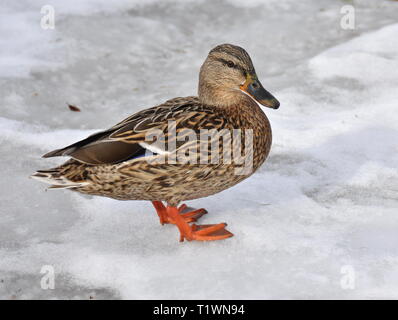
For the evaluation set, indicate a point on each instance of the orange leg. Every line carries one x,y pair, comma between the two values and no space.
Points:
197,232
190,216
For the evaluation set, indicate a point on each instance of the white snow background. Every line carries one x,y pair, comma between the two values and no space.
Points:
327,196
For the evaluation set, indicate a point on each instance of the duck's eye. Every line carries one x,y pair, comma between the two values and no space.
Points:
230,64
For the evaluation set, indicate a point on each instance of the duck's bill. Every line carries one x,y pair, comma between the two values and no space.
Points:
255,89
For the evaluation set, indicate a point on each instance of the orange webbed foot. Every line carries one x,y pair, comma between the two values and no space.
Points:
207,232
190,216
181,219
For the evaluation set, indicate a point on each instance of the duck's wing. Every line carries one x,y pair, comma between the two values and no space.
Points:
127,139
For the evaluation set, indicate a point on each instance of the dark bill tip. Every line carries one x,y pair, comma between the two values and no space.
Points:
271,103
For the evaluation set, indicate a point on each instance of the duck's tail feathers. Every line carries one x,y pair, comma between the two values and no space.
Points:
56,179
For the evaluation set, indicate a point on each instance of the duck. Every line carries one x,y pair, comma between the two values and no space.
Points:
164,154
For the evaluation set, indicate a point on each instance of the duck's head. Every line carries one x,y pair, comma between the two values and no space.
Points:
227,74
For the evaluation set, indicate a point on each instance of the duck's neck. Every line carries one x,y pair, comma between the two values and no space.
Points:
239,107
221,97
233,103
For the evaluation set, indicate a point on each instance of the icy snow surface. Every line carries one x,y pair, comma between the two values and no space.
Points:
326,197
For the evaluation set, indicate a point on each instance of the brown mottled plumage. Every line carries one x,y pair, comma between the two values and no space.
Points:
122,163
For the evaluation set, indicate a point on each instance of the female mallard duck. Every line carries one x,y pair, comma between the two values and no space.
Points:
133,159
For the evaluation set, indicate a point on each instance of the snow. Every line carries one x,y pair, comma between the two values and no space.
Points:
326,198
